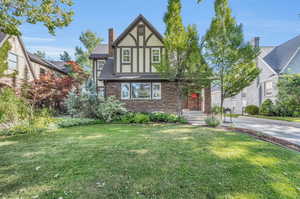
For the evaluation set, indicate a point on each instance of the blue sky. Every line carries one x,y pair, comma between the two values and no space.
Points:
275,21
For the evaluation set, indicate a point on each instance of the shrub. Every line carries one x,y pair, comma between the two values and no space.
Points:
267,108
216,110
141,118
12,108
252,110
212,121
40,121
70,122
288,104
83,103
110,110
165,117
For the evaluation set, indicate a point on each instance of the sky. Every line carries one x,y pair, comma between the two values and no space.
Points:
274,21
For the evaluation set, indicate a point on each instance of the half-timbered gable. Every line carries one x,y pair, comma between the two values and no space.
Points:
138,48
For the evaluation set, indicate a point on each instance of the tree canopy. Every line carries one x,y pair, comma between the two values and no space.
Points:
89,41
232,59
51,14
65,56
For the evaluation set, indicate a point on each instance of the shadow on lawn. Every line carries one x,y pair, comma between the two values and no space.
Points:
180,162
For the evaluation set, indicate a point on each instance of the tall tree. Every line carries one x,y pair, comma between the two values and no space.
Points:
89,41
232,60
182,61
41,54
65,56
52,14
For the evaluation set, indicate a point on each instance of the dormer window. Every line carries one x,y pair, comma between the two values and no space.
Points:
155,58
126,55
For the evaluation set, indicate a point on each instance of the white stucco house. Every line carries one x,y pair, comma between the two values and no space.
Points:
273,62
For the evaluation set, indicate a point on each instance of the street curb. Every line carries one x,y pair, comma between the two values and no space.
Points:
264,137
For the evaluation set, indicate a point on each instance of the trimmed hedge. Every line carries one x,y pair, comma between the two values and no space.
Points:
252,110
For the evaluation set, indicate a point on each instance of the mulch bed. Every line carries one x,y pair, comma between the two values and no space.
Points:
264,137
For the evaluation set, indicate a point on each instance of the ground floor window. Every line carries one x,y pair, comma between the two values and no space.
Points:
268,88
141,91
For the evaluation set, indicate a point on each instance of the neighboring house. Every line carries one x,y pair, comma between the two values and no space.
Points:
18,60
124,68
28,66
273,62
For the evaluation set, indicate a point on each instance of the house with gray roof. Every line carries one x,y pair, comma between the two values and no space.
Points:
124,68
273,61
27,65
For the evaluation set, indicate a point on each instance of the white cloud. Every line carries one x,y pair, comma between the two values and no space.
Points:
52,52
38,39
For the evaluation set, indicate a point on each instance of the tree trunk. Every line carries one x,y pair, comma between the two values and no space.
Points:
179,99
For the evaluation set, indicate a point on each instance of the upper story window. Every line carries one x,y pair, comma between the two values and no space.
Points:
100,64
126,55
12,61
141,29
268,88
42,71
155,55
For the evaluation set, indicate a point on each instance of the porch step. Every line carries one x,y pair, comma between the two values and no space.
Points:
194,117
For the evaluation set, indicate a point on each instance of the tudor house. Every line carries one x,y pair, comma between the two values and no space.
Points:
28,66
124,68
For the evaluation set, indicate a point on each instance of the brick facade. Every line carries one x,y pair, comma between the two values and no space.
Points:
167,103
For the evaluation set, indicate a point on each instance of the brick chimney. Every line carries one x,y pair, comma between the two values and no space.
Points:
256,42
111,39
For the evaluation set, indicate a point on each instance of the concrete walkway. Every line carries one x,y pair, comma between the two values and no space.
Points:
289,131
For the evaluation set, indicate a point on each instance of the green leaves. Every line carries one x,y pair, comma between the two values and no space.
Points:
232,60
89,40
51,14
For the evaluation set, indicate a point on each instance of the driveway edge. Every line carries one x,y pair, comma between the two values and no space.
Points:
265,137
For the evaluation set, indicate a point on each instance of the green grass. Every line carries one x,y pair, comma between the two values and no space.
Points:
288,119
146,161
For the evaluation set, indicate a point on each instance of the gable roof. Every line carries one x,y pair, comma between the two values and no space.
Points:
133,24
280,56
100,52
53,66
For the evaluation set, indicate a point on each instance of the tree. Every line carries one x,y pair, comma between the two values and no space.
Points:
232,60
52,14
50,89
65,56
182,61
89,40
41,54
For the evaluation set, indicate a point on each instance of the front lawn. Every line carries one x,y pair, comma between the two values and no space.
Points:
288,119
146,161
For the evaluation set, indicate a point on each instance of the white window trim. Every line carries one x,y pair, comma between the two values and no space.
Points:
265,89
146,99
150,96
152,56
129,96
129,55
156,98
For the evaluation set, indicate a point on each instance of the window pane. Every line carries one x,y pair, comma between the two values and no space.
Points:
155,55
141,90
156,91
125,91
126,55
12,61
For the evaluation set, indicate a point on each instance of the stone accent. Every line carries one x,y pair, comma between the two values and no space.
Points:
167,103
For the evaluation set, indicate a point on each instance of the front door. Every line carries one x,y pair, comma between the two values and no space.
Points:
194,102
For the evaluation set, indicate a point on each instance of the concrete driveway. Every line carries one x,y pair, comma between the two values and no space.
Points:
289,131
